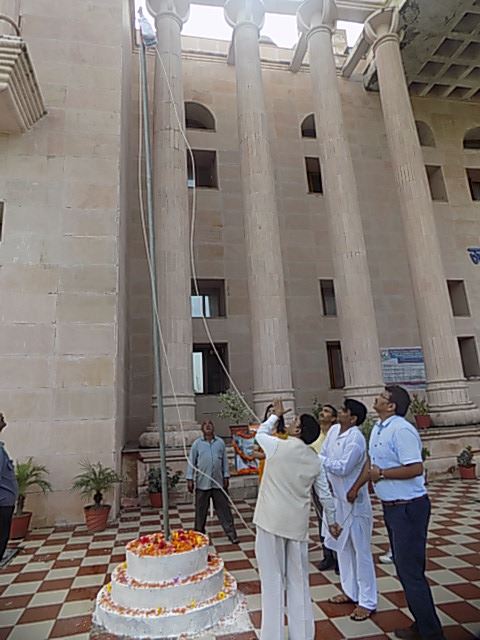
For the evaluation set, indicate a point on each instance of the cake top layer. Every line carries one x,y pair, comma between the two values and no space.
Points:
155,544
120,575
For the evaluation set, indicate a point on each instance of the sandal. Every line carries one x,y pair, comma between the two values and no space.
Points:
361,614
342,598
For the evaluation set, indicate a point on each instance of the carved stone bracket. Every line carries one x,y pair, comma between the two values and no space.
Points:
21,102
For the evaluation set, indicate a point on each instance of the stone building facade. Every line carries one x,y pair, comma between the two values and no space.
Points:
368,261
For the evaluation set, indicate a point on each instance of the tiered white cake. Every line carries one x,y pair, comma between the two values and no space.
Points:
166,588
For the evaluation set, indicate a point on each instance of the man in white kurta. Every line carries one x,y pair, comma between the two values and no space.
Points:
281,518
344,453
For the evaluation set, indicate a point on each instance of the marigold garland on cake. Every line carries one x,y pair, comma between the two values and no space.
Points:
156,544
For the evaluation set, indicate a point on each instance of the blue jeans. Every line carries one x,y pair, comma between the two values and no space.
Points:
407,526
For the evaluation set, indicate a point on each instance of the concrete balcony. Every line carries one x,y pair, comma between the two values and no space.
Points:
21,102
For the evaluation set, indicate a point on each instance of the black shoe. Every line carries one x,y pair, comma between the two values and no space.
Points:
410,633
326,564
337,569
233,539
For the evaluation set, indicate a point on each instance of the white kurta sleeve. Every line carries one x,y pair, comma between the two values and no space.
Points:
322,489
264,436
353,455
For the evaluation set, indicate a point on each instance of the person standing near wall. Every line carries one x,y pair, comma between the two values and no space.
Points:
327,418
8,492
208,464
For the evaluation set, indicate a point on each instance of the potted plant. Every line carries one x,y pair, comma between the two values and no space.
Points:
421,412
234,408
367,427
28,474
94,481
154,480
425,454
466,466
316,408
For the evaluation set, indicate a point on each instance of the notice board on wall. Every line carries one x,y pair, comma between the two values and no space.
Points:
404,366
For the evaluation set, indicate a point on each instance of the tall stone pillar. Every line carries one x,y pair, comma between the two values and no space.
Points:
271,353
172,216
447,388
356,314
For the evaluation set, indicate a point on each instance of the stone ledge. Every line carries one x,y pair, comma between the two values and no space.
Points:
21,102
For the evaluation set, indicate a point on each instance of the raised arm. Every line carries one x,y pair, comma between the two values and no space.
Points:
264,437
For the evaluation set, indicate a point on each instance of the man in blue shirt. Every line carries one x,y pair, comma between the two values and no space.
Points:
396,469
208,466
8,492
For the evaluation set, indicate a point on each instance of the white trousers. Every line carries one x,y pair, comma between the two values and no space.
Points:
355,561
283,567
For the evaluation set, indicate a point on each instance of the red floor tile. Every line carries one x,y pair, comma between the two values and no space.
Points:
461,611
466,591
316,579
457,633
55,585
14,602
71,626
326,630
335,610
30,576
250,587
236,565
39,614
84,593
469,573
397,597
390,620
248,635
119,557
92,570
256,618
67,564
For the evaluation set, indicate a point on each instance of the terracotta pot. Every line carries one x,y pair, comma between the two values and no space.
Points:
96,517
20,525
423,422
467,473
156,500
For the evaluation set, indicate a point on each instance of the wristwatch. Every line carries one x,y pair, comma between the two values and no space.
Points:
381,475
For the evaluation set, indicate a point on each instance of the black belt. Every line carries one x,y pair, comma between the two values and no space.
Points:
394,503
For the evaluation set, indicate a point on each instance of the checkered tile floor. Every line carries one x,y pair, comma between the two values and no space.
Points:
47,591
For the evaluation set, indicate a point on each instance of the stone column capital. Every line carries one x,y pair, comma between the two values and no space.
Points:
317,15
382,26
238,12
178,10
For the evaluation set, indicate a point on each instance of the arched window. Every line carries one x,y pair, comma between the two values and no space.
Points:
308,127
198,117
425,134
472,139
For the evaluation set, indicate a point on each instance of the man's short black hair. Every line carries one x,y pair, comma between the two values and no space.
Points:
357,409
400,398
332,409
310,428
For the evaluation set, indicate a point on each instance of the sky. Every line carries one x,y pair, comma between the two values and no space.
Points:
208,22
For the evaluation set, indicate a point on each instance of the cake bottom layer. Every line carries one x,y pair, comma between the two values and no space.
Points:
165,623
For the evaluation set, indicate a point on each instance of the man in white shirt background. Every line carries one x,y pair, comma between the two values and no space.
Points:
344,454
282,518
327,418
